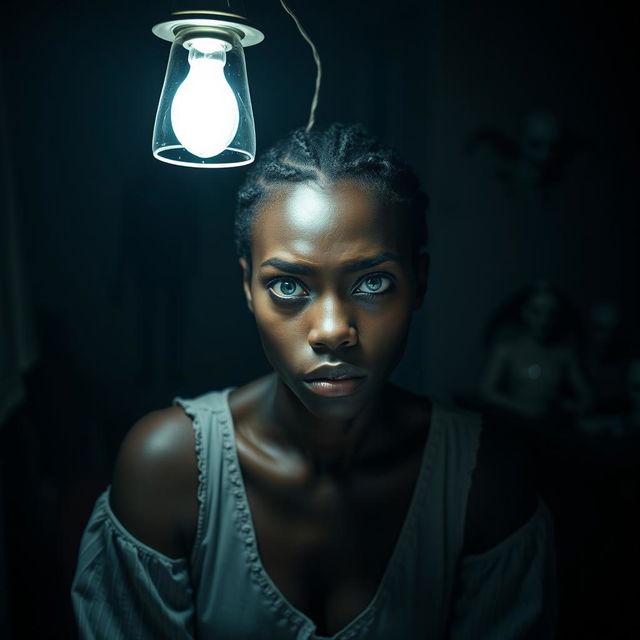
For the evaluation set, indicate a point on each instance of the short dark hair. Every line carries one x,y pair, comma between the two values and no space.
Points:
340,151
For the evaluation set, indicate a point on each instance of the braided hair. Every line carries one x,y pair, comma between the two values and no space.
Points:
338,152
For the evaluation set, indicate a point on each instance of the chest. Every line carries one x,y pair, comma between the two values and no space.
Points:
327,544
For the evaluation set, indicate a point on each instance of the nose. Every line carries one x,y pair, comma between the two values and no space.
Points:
331,327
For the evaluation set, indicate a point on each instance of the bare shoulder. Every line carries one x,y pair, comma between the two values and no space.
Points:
155,482
502,497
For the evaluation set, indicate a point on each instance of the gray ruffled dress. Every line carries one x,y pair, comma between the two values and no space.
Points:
125,590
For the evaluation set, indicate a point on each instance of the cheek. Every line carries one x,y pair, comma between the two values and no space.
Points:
383,335
281,334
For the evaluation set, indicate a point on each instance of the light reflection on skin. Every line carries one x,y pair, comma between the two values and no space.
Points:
308,206
314,224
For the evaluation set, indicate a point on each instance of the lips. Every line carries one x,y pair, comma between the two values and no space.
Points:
335,380
340,371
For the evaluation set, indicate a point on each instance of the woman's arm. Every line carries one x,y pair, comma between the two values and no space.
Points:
133,575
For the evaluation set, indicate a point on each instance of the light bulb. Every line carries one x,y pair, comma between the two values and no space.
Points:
204,112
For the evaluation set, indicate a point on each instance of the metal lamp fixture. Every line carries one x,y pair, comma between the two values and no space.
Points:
204,116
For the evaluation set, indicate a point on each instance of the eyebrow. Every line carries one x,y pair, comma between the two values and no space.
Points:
299,269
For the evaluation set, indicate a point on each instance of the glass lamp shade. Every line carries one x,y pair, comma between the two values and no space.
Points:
204,116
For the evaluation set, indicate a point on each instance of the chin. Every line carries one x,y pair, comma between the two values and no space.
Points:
335,408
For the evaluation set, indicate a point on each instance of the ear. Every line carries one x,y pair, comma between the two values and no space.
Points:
422,278
246,283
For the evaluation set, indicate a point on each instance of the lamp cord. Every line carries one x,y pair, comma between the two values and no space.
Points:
316,57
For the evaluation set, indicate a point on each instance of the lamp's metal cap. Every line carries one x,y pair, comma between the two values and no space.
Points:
247,34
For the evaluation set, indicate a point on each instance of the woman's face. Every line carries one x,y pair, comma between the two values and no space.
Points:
332,288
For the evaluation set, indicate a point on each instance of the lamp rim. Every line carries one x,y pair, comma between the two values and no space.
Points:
247,35
249,158
208,12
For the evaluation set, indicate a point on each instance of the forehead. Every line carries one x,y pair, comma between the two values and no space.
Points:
326,223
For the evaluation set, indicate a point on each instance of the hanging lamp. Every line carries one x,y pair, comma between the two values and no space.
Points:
204,117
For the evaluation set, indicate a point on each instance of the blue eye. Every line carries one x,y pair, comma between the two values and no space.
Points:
373,285
287,288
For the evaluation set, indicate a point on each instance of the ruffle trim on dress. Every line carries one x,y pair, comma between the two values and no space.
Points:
192,410
275,600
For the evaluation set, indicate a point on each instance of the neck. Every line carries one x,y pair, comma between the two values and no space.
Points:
325,443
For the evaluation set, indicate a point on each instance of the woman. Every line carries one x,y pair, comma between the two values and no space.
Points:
320,500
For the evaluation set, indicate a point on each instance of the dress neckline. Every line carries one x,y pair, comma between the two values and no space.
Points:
246,528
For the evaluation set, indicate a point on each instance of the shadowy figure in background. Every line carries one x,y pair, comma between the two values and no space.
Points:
535,385
159,252
606,361
536,159
605,356
532,370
